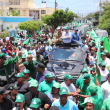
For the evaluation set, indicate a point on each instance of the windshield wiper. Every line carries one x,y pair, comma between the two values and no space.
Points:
73,60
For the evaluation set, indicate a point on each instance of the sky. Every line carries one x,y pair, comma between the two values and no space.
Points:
80,7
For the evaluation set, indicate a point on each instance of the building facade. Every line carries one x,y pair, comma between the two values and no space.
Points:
25,8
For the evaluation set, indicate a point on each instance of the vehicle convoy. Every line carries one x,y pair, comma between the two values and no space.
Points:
66,61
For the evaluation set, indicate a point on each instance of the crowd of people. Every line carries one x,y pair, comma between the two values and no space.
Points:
35,87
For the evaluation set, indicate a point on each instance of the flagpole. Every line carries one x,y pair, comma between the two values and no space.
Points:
55,4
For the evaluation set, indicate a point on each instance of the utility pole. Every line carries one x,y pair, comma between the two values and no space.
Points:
55,4
100,7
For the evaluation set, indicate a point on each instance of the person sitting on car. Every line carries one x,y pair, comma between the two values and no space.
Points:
70,86
75,38
66,36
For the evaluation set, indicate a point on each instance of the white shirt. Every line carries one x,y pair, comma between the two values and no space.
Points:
65,39
106,90
23,108
103,74
71,88
107,61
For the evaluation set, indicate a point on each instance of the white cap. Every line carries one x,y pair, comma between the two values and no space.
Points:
58,28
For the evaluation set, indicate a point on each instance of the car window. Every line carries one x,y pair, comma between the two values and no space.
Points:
66,54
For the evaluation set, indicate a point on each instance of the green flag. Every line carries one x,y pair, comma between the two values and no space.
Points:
106,44
93,34
99,55
26,42
97,40
30,45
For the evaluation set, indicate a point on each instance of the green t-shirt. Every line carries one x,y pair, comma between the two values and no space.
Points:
106,104
7,65
99,99
31,67
85,91
80,82
45,87
98,78
28,35
29,79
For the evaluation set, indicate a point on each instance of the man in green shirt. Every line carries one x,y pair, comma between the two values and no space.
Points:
30,65
106,104
27,75
6,64
79,81
28,35
47,84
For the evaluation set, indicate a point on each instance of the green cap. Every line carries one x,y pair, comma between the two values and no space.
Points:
26,71
90,43
102,64
20,75
20,98
88,100
85,76
29,52
24,56
106,51
93,88
67,27
2,55
48,75
33,83
63,91
35,103
84,70
44,42
103,53
13,53
15,42
67,76
56,85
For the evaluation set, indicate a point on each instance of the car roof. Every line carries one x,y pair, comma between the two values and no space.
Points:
99,30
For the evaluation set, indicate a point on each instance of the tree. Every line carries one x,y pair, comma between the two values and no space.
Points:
4,34
90,16
31,26
14,13
67,9
57,18
104,22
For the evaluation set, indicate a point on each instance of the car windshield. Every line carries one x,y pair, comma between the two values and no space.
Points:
103,34
66,54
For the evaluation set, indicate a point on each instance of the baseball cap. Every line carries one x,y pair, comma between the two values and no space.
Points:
84,70
91,63
48,75
76,29
13,53
103,53
26,71
63,91
41,65
4,91
88,99
102,64
29,52
56,85
13,87
33,83
67,76
27,46
41,48
67,27
37,51
3,49
24,56
20,75
93,88
35,103
85,76
58,28
20,98
2,55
